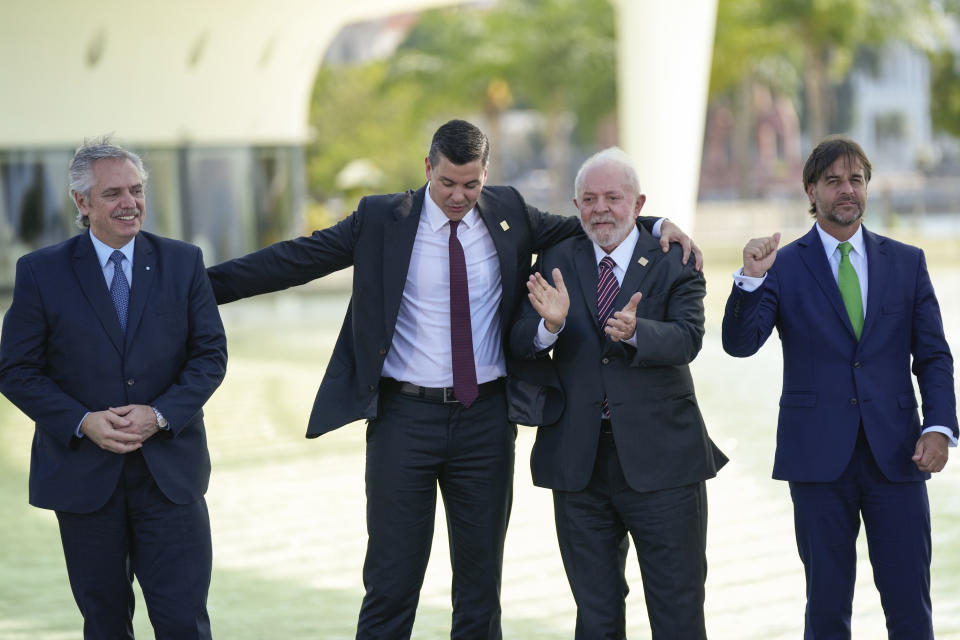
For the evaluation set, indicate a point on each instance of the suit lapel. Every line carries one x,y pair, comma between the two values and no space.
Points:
398,238
645,254
878,268
815,260
585,264
90,275
144,268
506,253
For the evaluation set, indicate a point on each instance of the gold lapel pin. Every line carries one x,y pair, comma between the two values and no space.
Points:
643,261
504,225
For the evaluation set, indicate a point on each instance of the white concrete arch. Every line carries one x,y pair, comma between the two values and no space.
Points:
184,72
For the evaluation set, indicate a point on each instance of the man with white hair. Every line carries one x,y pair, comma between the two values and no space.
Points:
629,453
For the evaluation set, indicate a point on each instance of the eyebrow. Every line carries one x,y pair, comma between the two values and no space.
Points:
138,185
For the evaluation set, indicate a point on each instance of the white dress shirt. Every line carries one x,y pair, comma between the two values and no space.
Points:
858,258
420,352
103,255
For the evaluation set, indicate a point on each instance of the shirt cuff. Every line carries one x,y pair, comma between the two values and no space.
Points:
544,339
945,431
76,432
655,232
747,283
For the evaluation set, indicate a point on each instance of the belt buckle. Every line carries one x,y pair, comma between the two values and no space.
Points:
448,397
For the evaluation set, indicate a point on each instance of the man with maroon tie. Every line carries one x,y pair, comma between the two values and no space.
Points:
438,273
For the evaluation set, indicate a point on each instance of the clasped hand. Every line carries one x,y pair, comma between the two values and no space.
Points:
120,429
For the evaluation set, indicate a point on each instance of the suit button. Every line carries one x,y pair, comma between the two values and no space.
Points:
383,352
857,365
605,361
853,401
372,387
131,382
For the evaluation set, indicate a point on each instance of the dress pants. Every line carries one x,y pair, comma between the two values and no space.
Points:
139,532
415,446
668,528
896,517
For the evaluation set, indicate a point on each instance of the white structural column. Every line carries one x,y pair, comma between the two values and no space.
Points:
664,54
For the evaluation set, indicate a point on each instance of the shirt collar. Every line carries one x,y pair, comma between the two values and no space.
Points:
436,218
830,243
624,251
105,251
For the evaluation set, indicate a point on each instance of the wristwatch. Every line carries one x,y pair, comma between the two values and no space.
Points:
162,423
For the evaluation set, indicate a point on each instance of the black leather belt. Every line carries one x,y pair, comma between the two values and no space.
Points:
443,395
605,426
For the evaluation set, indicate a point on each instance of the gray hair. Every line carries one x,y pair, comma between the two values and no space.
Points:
81,167
610,156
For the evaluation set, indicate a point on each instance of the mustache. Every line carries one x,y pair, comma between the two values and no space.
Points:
126,212
603,219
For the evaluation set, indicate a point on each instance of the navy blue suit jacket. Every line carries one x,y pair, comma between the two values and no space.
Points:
661,438
832,381
63,354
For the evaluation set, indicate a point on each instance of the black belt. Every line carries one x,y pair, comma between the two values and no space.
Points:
605,426
443,395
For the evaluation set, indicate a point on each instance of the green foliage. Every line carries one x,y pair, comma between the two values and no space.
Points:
356,115
945,92
555,56
819,39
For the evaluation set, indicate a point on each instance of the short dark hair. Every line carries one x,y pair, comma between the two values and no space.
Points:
826,153
459,142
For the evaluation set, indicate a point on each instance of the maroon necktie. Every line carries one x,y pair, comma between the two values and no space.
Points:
461,333
607,290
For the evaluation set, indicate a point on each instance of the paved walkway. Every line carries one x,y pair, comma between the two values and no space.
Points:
288,513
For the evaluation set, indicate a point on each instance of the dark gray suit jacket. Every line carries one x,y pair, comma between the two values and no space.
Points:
660,435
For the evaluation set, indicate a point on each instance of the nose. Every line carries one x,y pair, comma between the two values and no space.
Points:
127,201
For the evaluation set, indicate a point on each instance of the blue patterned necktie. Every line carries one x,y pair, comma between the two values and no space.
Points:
120,289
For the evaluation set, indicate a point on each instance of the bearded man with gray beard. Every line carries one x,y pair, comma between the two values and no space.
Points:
613,323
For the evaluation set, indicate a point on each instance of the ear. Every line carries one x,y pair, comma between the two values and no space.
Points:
810,189
641,199
81,202
428,169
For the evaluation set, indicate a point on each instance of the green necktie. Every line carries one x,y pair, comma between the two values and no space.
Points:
849,285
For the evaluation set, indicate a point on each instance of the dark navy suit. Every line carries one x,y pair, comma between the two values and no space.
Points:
848,419
63,354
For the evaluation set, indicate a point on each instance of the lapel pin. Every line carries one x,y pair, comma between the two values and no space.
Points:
147,268
504,225
643,261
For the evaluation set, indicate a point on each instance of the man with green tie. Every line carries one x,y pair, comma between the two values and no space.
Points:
854,311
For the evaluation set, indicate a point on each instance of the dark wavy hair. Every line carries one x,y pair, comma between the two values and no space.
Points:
825,154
